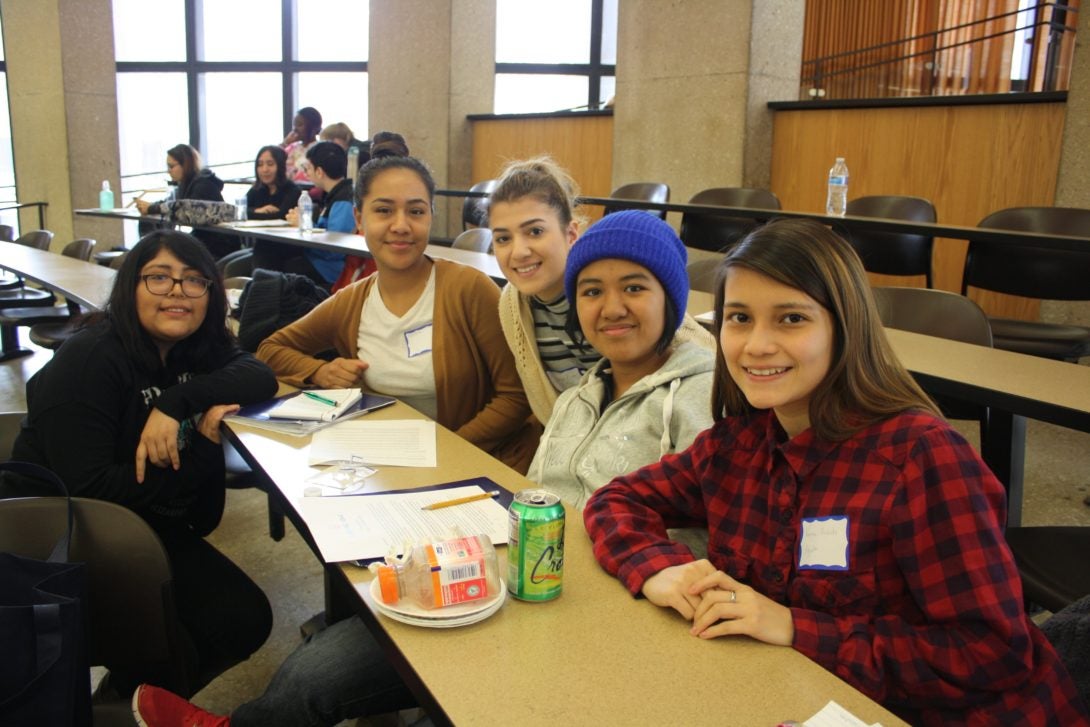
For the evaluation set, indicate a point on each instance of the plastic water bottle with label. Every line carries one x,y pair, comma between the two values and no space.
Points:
836,202
306,212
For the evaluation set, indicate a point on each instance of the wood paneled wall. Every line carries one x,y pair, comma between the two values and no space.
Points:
582,145
968,160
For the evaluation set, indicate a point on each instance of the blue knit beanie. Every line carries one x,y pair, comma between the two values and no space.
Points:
641,238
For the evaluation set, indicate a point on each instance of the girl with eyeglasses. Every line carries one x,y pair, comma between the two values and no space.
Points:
128,410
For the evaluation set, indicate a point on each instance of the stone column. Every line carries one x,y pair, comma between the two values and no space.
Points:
63,98
693,78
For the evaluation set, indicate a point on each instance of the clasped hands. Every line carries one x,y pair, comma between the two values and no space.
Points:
159,439
703,595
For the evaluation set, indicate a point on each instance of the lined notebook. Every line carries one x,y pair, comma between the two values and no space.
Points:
285,421
317,405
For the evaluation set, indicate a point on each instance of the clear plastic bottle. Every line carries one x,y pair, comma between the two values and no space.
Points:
106,196
306,212
240,209
353,163
444,573
836,201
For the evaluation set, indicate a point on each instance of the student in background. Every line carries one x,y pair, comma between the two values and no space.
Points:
304,130
649,394
326,166
846,519
534,224
388,144
272,195
192,181
342,136
128,411
422,330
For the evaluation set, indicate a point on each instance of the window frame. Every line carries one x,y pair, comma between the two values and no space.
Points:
593,70
193,68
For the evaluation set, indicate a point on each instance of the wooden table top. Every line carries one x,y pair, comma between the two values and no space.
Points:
595,655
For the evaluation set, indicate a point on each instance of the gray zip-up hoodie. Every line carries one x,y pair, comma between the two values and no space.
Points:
584,447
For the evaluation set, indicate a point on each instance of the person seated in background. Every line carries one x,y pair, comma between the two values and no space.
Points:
342,136
326,165
388,143
650,394
272,195
192,180
128,410
846,519
304,130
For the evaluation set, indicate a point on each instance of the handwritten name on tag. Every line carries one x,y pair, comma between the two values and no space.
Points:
824,543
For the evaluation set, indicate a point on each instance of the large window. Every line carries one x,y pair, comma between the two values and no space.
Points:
556,55
228,76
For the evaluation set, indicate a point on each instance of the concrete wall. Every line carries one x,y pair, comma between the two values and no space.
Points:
62,93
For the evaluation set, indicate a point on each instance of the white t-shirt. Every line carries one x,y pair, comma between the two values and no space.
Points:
398,349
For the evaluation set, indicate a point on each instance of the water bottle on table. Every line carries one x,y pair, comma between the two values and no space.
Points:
836,202
306,212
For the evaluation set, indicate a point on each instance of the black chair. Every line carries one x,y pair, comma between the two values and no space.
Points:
12,318
133,624
237,263
475,209
1052,560
712,232
13,293
478,239
893,253
1034,272
642,192
702,274
945,315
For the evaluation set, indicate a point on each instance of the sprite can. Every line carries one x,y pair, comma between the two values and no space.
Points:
535,546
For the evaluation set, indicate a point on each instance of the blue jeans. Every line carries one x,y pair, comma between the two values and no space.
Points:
338,673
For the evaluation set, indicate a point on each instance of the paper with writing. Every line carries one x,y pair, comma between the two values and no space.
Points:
399,442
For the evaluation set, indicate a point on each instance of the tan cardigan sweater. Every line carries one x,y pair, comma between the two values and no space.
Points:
478,392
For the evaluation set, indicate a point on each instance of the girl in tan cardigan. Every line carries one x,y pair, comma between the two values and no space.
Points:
422,330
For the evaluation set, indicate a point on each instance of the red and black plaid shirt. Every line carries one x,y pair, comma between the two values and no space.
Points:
928,617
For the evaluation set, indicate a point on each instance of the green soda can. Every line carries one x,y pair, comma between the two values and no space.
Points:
535,546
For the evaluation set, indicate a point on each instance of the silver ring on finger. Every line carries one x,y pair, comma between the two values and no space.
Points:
734,596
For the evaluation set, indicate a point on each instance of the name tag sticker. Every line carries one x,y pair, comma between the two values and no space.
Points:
418,341
824,543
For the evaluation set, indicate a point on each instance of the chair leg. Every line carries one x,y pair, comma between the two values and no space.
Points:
9,344
276,519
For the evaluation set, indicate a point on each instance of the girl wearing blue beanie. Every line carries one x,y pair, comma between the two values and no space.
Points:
650,393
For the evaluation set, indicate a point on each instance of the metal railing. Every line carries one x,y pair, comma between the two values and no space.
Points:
913,66
24,205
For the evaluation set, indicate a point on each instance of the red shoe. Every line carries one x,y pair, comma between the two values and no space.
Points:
155,707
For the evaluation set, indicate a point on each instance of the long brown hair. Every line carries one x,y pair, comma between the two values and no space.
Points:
865,382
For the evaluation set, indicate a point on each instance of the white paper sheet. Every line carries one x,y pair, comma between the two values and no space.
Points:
368,526
400,442
833,715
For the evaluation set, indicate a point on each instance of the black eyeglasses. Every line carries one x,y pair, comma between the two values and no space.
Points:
160,284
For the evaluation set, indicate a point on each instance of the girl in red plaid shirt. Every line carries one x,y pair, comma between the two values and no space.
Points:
846,518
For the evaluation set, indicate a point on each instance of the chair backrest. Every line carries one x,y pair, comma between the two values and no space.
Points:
10,423
38,239
116,262
478,239
713,232
643,192
893,253
1031,271
7,233
80,249
239,262
134,626
702,274
475,209
934,313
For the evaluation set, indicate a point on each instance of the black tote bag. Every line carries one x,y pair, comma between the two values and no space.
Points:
44,675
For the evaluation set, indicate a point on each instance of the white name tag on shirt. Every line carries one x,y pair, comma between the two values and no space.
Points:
418,341
824,543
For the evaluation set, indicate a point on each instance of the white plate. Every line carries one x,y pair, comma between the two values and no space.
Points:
443,618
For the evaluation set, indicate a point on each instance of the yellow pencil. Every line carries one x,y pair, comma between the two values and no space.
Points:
461,500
